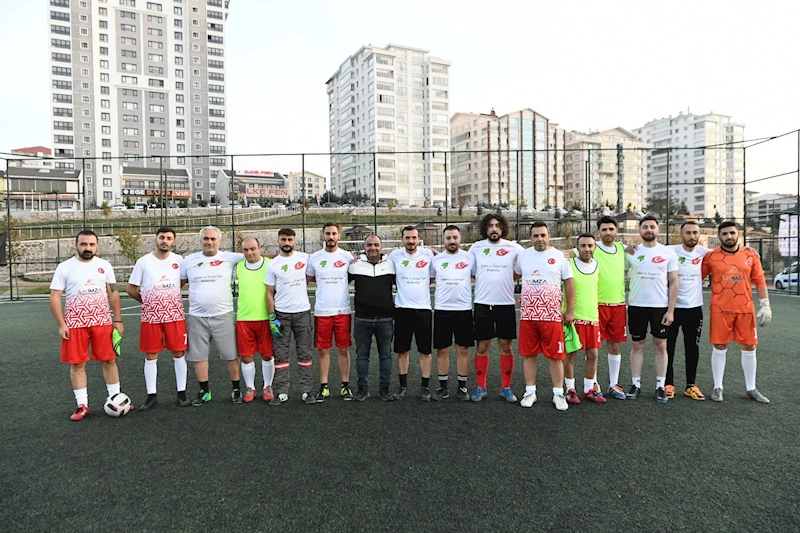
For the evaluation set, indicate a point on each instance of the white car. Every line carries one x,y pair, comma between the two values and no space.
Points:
787,278
139,206
119,207
254,206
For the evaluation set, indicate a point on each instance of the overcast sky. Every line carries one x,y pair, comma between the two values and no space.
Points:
583,64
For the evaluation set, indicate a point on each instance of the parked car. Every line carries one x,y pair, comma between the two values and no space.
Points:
279,206
786,278
254,206
139,206
382,204
66,208
194,205
347,205
330,204
402,206
119,207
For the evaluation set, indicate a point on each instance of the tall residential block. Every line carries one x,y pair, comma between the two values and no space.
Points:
704,163
616,172
485,164
386,100
138,80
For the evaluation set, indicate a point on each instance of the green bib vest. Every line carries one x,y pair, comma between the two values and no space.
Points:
612,275
586,289
252,292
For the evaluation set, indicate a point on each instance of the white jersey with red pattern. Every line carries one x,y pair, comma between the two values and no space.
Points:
84,284
542,274
159,282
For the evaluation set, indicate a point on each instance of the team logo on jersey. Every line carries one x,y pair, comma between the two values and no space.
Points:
551,261
697,260
748,262
284,268
323,265
175,266
658,259
421,263
339,264
461,266
486,251
215,263
536,273
640,259
404,263
198,265
101,270
445,266
502,251
682,260
299,265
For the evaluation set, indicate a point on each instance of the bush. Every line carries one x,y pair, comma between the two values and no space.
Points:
105,209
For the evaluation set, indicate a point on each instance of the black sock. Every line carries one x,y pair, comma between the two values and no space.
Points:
443,382
182,394
204,386
151,396
462,382
425,382
345,384
235,383
403,379
323,385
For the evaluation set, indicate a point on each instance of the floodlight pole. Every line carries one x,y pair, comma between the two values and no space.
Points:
797,220
10,257
375,193
446,191
668,197
744,193
83,193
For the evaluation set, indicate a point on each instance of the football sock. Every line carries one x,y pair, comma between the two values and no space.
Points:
403,379
558,391
81,396
637,382
481,367
570,383
345,384
588,384
462,382
718,366
614,362
113,388
506,368
182,394
204,386
323,385
236,384
530,388
150,375
594,380
749,364
180,372
249,375
268,370
426,382
443,381
661,382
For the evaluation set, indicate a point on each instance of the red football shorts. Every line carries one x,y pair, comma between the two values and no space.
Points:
170,335
76,350
545,338
739,327
328,327
589,334
254,336
613,321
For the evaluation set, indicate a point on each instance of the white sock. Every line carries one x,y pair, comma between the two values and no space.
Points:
749,366
558,391
249,375
268,369
637,381
588,384
594,380
718,366
661,382
81,396
150,375
530,388
614,362
570,383
180,373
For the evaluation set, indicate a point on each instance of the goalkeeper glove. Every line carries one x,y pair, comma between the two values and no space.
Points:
764,315
274,326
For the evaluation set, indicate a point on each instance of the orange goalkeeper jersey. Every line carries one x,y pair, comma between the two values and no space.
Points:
732,277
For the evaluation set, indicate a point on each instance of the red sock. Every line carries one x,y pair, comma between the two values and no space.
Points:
506,368
481,367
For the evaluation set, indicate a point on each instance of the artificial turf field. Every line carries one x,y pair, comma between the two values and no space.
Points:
402,466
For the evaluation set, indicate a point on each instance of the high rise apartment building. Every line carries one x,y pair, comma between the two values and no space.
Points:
617,179
138,80
704,163
385,100
484,165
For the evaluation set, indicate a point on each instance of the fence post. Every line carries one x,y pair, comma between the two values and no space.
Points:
518,198
10,255
303,203
375,192
797,221
446,191
744,193
83,193
233,217
668,198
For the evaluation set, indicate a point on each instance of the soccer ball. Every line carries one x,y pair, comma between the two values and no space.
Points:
117,405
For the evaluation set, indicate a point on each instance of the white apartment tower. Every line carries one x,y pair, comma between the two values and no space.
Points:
485,165
707,180
617,179
385,100
138,80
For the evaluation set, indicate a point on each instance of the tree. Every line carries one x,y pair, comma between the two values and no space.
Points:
717,217
202,203
130,244
105,209
657,205
682,209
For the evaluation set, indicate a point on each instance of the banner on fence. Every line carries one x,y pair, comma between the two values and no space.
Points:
787,236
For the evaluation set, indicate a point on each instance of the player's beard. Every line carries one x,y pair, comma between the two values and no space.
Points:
610,238
494,237
164,247
452,247
330,244
691,243
649,237
411,248
729,243
287,249
540,246
87,254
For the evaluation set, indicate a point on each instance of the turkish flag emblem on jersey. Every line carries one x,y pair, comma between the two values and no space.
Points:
658,259
421,264
175,266
551,261
215,263
461,266
697,260
299,265
339,264
502,251
101,270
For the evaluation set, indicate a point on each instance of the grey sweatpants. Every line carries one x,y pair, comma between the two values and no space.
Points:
301,327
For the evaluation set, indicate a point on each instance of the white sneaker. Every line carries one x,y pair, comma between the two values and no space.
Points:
560,402
528,399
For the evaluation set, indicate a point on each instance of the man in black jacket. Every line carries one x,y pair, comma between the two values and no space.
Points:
373,274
